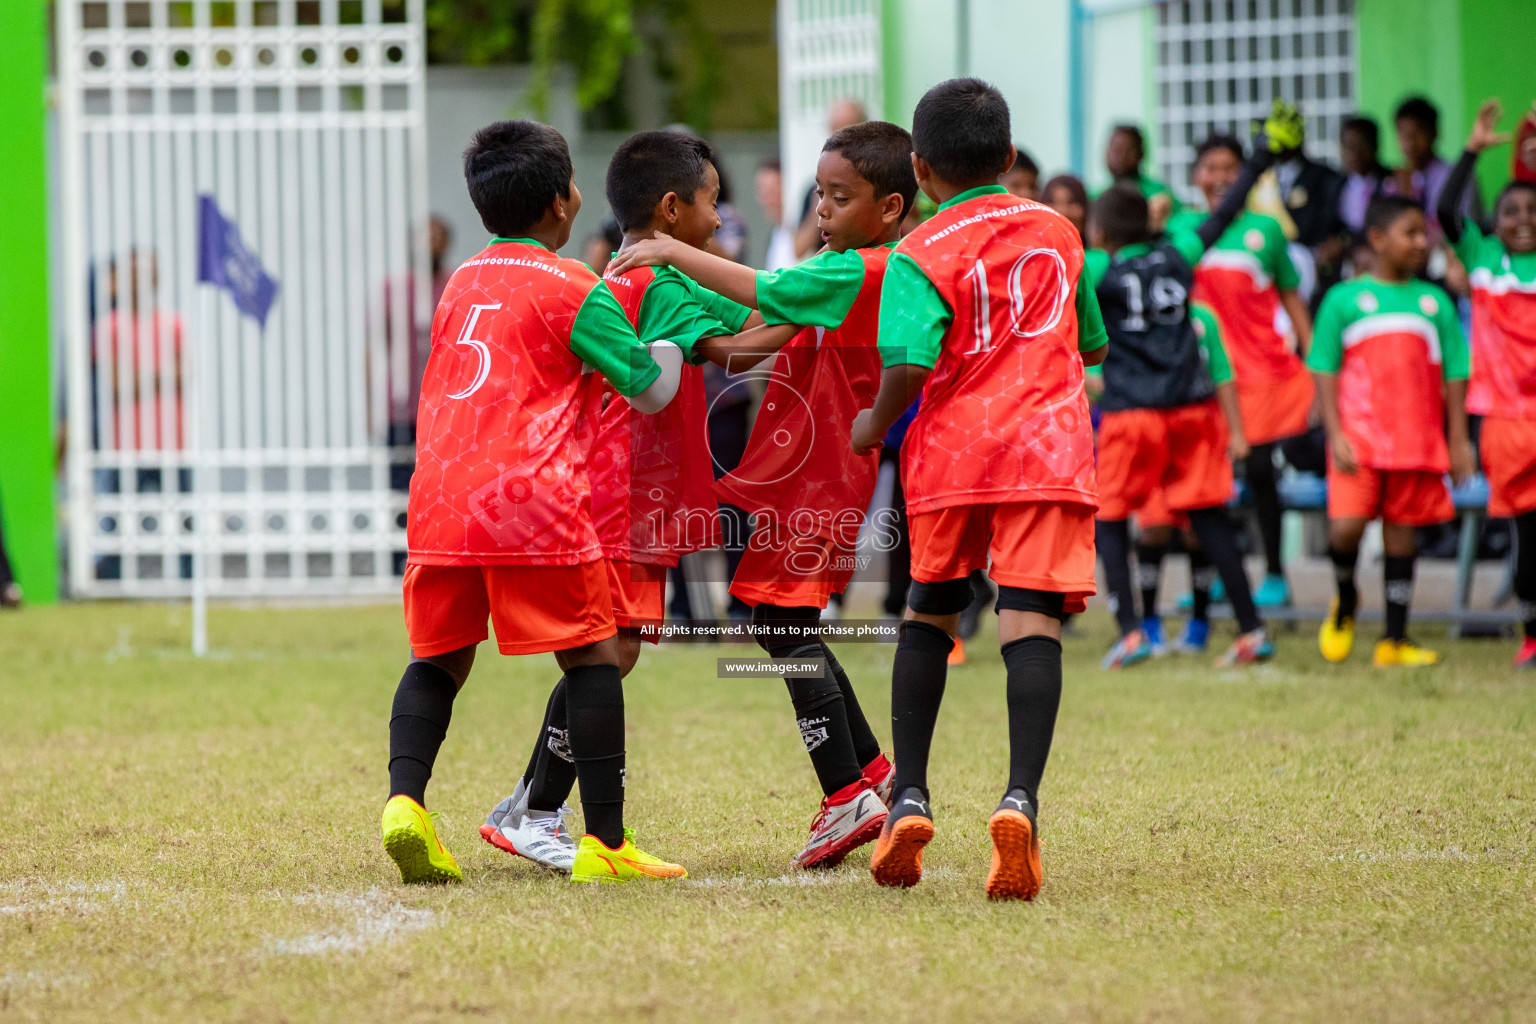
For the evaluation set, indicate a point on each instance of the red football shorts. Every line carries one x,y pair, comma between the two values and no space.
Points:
1411,497
1182,452
802,572
1508,450
534,608
1275,409
1154,512
1037,545
639,592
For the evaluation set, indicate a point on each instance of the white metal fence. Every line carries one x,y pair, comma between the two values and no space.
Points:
1221,62
304,119
828,49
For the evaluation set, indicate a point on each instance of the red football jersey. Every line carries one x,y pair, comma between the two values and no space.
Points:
798,461
651,474
1005,414
1504,346
500,477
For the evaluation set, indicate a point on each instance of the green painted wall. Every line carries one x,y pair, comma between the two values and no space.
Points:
1475,48
26,450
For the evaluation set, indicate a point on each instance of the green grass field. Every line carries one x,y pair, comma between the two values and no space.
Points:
198,840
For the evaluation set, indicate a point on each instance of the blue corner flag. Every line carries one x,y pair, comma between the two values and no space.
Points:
224,260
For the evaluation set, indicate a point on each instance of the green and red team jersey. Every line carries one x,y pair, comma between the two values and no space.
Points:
500,467
798,463
986,294
1392,347
1503,327
652,474
1240,278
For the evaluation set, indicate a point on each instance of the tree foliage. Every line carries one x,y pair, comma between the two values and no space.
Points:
594,37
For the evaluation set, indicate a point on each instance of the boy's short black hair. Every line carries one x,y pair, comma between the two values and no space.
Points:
1365,127
1023,163
1123,216
1420,111
515,170
1514,185
882,154
1134,133
960,127
1384,211
649,165
1215,142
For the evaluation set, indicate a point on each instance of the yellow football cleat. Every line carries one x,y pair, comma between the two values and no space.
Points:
597,863
1336,638
1394,653
410,839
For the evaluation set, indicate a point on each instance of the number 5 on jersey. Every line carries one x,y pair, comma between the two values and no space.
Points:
1019,306
466,337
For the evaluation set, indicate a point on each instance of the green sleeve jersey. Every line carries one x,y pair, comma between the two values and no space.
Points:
914,316
1363,300
1252,236
1208,330
603,339
679,310
1486,253
816,293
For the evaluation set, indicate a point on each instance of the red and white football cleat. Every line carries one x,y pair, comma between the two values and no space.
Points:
847,820
881,776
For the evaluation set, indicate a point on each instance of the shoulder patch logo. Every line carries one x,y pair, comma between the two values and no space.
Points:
1428,305
1367,303
1253,240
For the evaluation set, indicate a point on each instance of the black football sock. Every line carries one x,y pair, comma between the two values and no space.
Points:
820,711
554,772
917,690
594,699
1202,574
1034,695
1344,582
1113,538
1525,570
1219,542
1149,575
417,725
865,746
1265,490
549,707
1397,575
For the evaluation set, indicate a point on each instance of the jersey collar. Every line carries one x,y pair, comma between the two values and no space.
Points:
1130,252
522,241
983,190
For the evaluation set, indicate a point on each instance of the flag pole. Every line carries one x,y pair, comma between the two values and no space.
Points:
199,504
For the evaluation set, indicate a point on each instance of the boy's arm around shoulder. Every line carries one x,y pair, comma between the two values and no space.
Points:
646,376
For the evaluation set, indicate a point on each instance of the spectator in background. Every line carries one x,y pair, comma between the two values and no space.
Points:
600,246
1360,146
1066,195
843,113
770,196
1023,178
1422,178
405,395
1123,156
730,240
1523,163
1303,195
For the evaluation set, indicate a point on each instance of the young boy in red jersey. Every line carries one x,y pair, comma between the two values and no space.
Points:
651,474
1503,387
1391,367
981,311
805,487
499,517
1164,435
1248,279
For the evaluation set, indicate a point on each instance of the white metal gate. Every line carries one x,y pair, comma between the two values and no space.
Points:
828,49
1221,62
304,119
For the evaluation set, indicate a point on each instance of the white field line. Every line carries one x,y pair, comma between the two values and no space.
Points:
31,895
809,879
371,918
